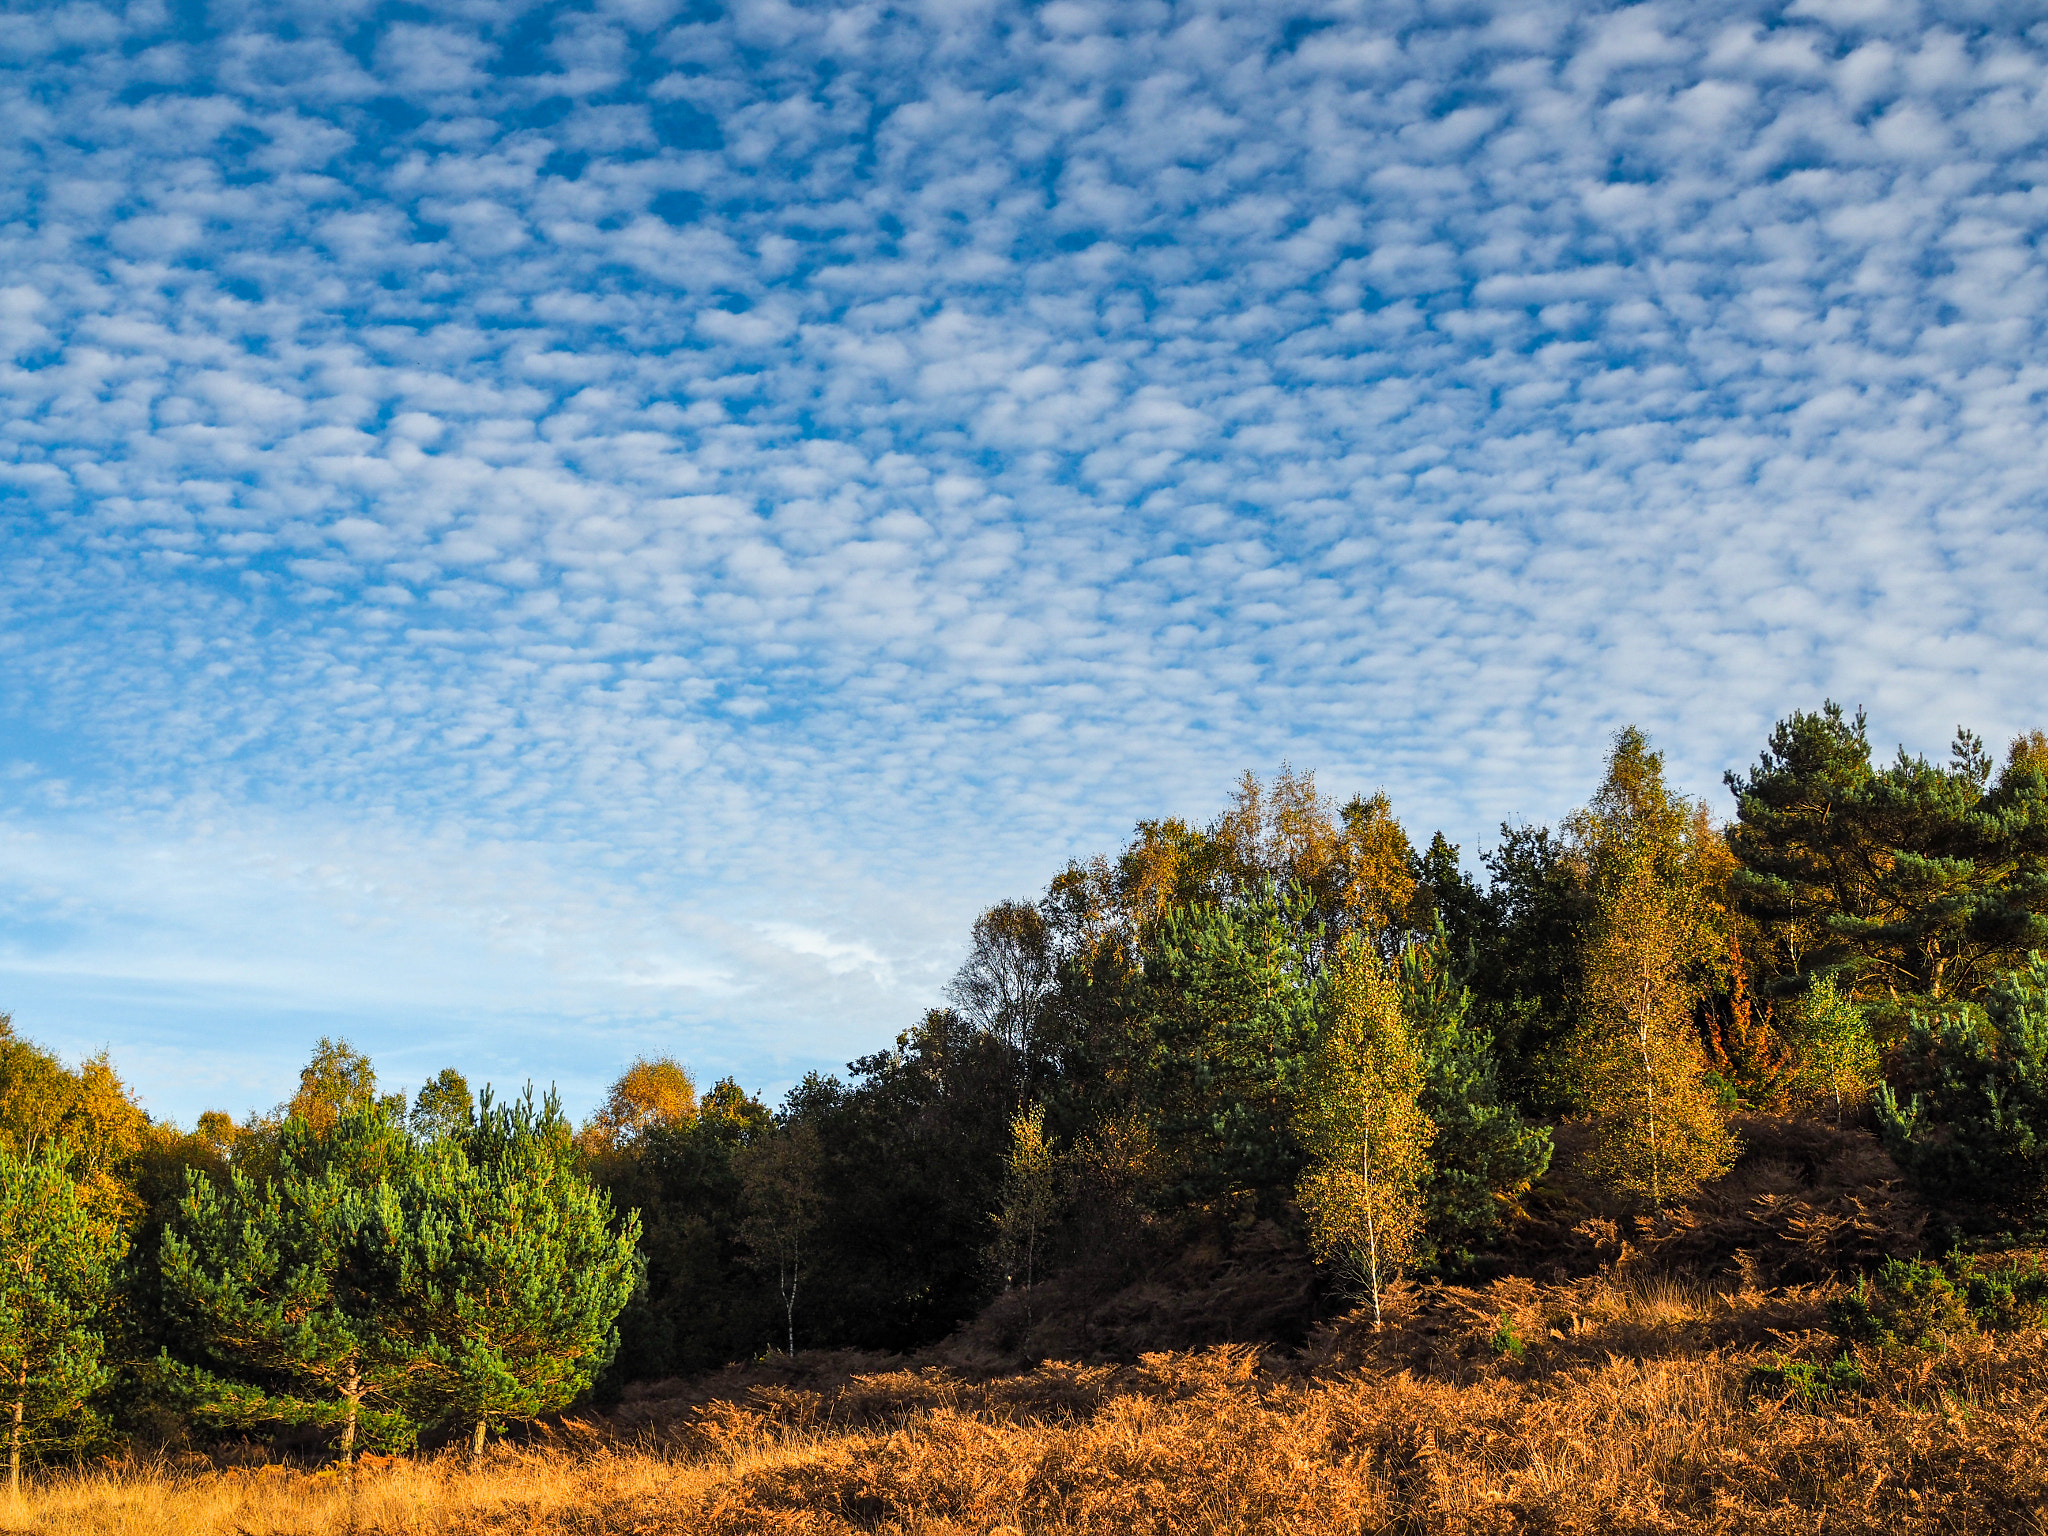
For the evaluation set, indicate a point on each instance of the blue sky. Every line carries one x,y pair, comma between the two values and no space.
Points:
538,533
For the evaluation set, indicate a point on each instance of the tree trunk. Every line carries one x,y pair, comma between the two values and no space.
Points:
14,1438
1372,1231
352,1395
476,1442
1650,1100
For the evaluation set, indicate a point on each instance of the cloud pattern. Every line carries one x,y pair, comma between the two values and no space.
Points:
575,528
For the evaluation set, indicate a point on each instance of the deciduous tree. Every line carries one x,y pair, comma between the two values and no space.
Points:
782,1201
1033,1196
1360,1117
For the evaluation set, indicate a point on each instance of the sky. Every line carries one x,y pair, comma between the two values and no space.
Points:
532,534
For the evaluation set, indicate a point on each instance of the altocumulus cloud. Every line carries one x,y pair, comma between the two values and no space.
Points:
536,532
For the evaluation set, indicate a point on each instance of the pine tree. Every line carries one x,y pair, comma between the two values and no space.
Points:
1484,1156
1361,1119
503,1268
1233,1021
271,1283
57,1261
1973,1132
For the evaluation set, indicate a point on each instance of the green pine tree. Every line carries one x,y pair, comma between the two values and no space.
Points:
504,1269
272,1284
1484,1155
1234,1020
1973,1132
57,1261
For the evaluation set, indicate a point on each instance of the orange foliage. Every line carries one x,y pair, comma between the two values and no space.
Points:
1620,1404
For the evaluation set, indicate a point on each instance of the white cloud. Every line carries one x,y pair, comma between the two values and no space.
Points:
760,515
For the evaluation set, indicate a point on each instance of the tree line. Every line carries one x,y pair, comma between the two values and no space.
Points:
1291,1013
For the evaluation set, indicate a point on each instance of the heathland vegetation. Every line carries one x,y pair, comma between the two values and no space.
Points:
1270,1173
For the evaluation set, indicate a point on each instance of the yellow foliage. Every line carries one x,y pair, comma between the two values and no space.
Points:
655,1091
1362,1123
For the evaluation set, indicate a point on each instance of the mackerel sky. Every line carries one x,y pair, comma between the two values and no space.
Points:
530,534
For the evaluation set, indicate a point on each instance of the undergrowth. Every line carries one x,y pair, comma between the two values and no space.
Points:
1628,1403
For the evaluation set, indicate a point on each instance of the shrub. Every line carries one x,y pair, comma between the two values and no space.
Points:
1812,1382
2006,1298
1910,1304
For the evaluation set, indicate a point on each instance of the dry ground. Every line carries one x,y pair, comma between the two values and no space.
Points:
1630,1407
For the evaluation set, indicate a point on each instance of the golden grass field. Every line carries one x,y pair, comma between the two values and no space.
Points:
1630,1408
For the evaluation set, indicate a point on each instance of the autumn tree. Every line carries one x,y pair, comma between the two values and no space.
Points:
1361,1119
87,1111
1033,1196
655,1092
1656,871
58,1253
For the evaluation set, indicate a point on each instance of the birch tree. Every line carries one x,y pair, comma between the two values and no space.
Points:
782,1205
1361,1120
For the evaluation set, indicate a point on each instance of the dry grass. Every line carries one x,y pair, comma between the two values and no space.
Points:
1627,1409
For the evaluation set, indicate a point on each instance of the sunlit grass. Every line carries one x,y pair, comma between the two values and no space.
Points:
1634,1407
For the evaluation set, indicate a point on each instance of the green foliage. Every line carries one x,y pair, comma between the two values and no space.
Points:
1973,1132
1814,1383
1910,1303
700,1305
1505,1342
1484,1155
2004,1298
1913,1303
1361,1120
272,1288
339,1081
57,1260
1233,990
1034,1193
443,1107
1909,880
501,1268
1836,1061
1525,959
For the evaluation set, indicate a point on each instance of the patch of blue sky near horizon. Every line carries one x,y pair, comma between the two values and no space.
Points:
555,531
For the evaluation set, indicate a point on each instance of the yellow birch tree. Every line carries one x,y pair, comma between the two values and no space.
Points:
1361,1120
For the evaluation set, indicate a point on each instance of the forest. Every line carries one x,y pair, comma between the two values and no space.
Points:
1296,1042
